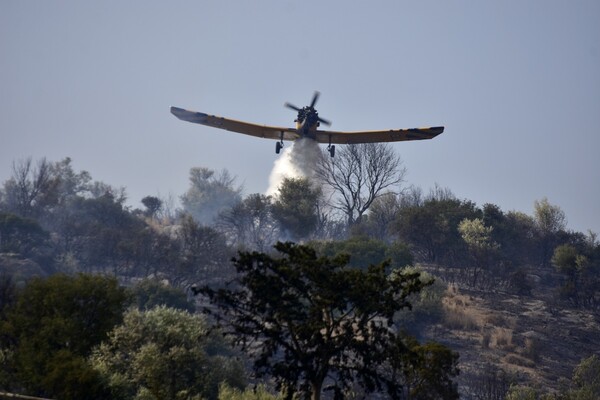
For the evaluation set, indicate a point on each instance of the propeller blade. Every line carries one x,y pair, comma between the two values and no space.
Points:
315,98
293,107
324,121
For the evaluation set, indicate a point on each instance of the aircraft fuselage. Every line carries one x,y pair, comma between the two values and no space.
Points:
307,129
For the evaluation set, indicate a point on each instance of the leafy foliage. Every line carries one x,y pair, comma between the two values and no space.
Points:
25,238
426,304
364,251
478,238
318,322
250,224
296,207
257,393
163,353
150,293
581,269
53,326
432,228
586,379
153,205
428,371
550,222
521,393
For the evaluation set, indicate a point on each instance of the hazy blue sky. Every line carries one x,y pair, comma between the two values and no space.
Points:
516,83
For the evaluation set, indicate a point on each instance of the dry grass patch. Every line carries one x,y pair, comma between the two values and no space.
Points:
518,360
500,320
502,338
457,312
460,320
495,319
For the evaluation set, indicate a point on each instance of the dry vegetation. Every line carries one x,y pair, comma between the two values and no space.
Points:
527,340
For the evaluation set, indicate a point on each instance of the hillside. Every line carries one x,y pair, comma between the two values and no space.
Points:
517,296
508,339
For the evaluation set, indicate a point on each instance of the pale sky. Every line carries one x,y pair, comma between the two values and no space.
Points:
515,83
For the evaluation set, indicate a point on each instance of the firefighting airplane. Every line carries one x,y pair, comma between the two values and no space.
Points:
307,124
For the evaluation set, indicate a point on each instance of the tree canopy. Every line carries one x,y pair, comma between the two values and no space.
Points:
164,353
296,207
314,323
52,328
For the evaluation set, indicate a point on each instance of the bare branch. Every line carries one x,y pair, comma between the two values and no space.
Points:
358,175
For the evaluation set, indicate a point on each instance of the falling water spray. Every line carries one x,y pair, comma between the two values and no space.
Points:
297,161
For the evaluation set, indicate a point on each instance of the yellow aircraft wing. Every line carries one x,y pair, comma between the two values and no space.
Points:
392,135
263,131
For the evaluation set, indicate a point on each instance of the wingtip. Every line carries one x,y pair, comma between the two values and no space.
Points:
436,130
178,112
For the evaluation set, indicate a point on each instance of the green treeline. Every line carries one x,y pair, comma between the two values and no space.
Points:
96,298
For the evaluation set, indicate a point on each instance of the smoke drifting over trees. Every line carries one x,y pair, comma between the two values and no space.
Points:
209,194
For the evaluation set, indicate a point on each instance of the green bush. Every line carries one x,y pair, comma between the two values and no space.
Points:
258,393
150,293
427,305
162,353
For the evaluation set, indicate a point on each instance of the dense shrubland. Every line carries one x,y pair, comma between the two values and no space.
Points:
120,270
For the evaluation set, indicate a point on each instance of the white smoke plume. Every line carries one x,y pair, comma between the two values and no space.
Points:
297,161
